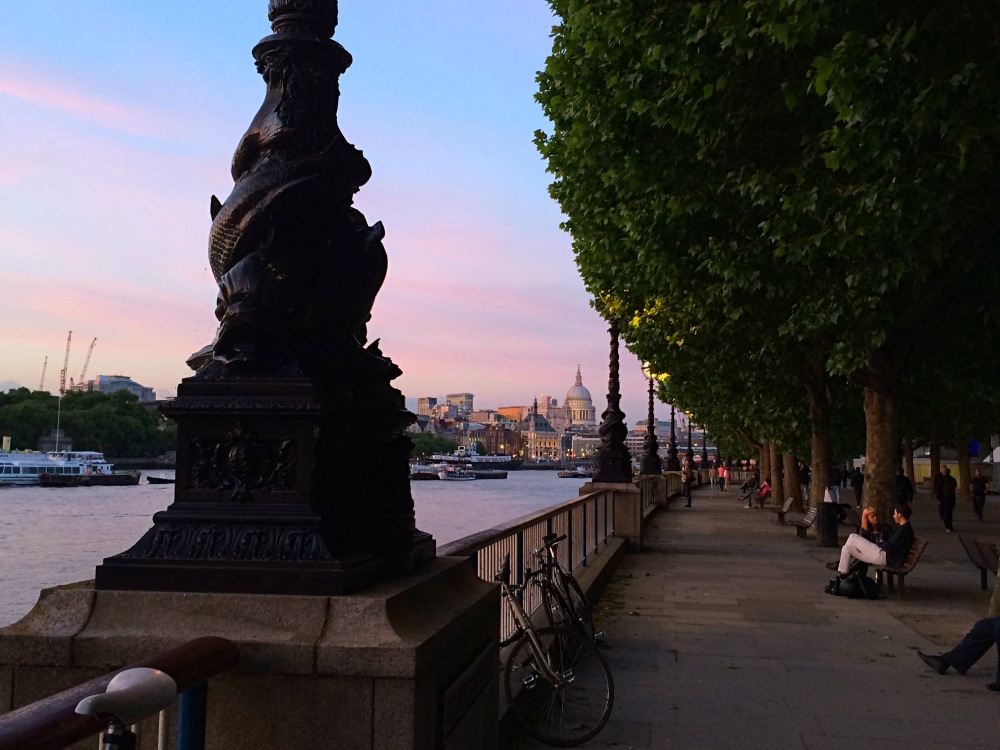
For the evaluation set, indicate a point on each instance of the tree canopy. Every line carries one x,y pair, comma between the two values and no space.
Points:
116,424
809,185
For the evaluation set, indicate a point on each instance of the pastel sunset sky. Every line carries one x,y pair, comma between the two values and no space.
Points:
119,119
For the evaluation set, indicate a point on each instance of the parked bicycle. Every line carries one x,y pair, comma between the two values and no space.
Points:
564,600
558,685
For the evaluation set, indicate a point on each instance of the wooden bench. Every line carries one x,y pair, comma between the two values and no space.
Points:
885,574
802,524
782,511
983,555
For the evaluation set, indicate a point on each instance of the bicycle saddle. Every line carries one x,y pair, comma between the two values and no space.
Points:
504,573
131,695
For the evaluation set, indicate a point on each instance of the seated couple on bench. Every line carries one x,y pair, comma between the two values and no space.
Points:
761,494
872,546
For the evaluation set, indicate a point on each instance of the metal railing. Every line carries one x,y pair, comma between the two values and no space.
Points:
53,724
587,521
647,494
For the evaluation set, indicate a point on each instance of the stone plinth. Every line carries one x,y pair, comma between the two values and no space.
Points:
407,663
627,501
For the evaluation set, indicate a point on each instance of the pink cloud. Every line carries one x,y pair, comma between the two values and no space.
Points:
60,98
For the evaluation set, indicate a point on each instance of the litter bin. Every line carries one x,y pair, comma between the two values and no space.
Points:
827,520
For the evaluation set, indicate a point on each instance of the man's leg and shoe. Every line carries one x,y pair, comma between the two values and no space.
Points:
984,634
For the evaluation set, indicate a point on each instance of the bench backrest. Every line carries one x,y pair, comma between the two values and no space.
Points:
914,554
788,505
982,554
990,554
810,516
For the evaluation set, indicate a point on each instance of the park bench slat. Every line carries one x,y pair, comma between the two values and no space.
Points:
886,574
802,524
780,512
983,555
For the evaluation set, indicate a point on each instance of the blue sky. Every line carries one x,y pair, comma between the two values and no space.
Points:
118,122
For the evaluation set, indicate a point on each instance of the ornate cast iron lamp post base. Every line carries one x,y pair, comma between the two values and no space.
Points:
651,463
292,462
673,462
614,464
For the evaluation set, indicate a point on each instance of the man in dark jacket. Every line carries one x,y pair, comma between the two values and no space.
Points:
904,487
978,487
946,497
857,484
891,552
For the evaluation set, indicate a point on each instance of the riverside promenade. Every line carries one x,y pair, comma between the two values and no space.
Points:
719,636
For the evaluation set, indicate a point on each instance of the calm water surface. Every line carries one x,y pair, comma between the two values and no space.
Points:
55,536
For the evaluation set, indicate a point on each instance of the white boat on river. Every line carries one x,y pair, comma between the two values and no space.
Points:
456,474
25,469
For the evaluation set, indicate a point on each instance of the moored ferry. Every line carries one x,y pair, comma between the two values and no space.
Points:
17,469
469,457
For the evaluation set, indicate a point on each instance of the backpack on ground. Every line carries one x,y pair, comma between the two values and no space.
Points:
854,586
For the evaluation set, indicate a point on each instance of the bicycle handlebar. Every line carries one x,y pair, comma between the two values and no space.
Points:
550,539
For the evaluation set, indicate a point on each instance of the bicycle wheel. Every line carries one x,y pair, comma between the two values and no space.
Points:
566,704
579,607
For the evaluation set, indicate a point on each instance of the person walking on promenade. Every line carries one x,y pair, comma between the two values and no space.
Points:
890,552
857,484
978,487
723,476
945,489
687,479
904,487
970,649
712,474
805,477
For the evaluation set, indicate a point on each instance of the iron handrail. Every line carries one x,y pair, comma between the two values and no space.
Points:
52,723
587,521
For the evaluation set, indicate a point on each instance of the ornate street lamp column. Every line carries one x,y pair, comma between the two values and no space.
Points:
651,463
690,449
673,462
614,464
270,496
704,447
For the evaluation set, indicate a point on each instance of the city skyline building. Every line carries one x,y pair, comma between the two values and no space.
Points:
111,383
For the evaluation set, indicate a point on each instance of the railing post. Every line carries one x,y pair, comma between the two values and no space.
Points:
519,556
583,534
191,708
569,540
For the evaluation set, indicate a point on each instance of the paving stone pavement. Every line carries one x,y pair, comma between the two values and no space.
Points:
719,635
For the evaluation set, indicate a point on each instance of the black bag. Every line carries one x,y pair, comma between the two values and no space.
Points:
858,586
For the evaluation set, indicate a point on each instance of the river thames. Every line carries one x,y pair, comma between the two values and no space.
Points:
55,536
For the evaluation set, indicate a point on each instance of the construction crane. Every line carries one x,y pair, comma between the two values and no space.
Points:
86,361
41,383
65,367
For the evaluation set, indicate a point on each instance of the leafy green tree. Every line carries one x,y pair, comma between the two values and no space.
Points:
831,160
425,445
25,416
116,424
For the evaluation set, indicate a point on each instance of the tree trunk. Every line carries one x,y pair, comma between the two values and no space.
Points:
880,453
964,471
765,462
908,460
793,489
819,420
777,482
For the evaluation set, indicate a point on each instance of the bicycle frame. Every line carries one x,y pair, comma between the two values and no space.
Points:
523,624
